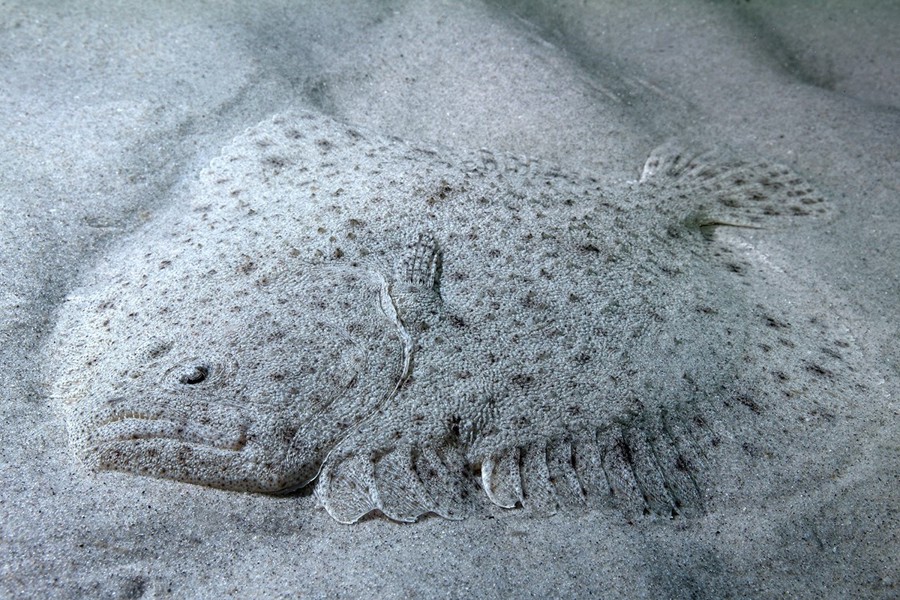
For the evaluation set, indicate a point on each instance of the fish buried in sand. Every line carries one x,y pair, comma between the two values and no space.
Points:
402,326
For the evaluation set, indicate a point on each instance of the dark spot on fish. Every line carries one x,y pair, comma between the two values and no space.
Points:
456,321
730,202
583,358
832,353
819,370
276,162
247,266
521,379
158,351
625,449
750,403
775,323
453,425
531,301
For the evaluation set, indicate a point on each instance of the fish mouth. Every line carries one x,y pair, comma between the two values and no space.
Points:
207,444
218,428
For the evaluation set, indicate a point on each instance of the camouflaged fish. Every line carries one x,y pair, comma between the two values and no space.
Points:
401,326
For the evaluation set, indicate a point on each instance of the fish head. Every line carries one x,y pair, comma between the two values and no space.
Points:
245,384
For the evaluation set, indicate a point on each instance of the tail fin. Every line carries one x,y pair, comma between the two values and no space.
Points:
715,190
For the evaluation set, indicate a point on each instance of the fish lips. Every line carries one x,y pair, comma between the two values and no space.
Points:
216,446
118,419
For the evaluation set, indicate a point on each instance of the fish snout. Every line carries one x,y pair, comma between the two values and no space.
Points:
118,418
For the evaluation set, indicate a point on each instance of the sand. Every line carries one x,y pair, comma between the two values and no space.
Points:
109,110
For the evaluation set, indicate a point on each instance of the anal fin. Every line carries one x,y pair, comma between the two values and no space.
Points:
537,486
400,494
345,487
561,463
403,481
501,478
444,475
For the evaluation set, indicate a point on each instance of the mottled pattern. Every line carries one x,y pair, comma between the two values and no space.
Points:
397,324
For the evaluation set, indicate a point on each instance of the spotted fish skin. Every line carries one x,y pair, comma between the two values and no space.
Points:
396,323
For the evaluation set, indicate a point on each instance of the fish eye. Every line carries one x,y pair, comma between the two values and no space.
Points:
193,375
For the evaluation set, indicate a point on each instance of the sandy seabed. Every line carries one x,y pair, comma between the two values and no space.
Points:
109,110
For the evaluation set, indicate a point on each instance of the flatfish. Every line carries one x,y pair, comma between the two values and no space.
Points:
403,326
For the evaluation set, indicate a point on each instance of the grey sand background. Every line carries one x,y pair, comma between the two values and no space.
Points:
109,110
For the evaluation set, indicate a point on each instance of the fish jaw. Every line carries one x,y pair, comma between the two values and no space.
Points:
202,443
